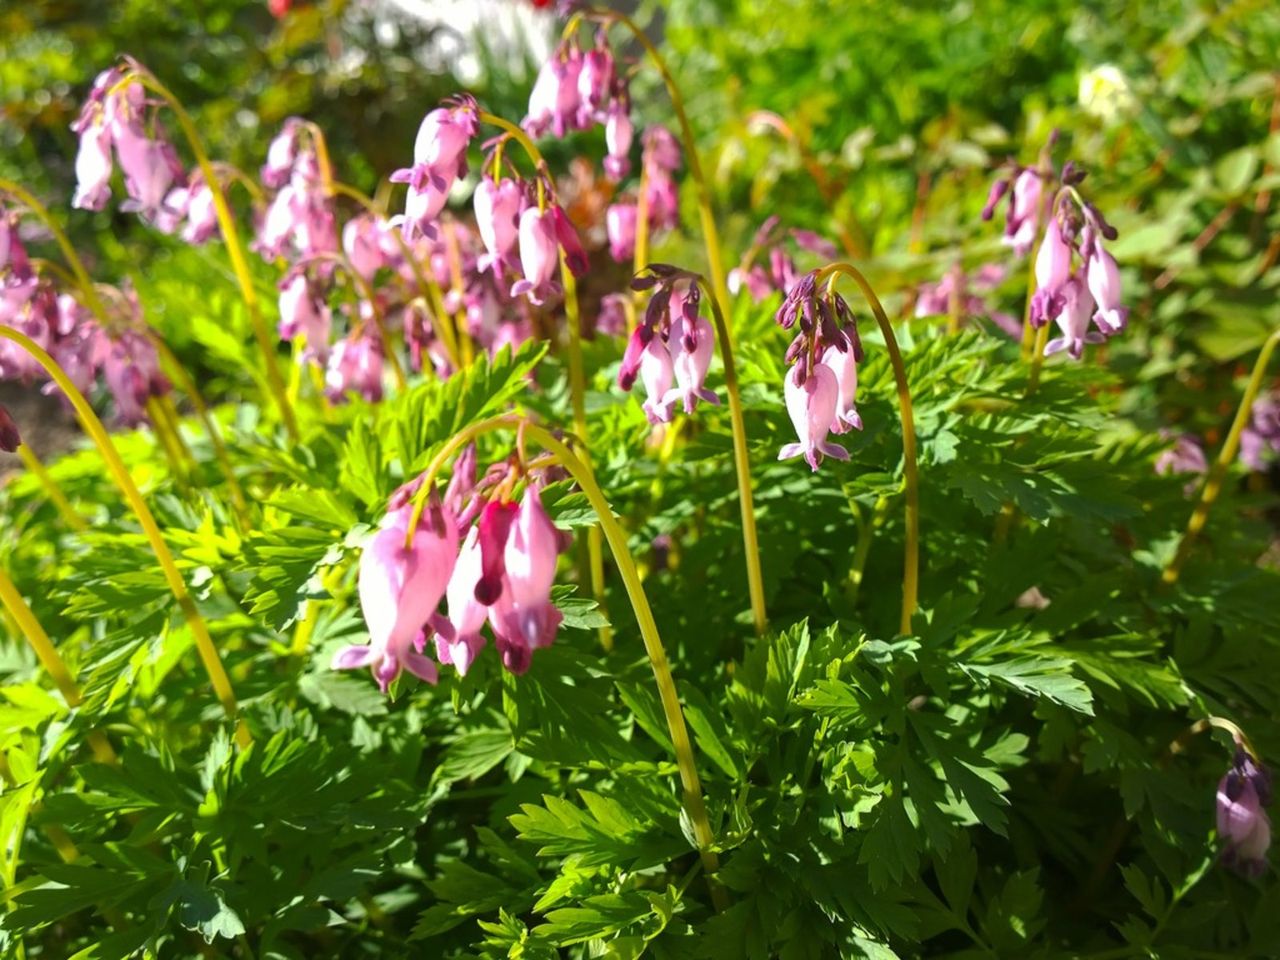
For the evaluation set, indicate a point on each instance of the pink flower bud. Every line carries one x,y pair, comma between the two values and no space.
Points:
202,214
595,81
147,170
1053,266
539,255
497,207
657,374
1242,824
10,438
811,404
400,588
281,153
494,528
618,135
355,366
567,237
1104,283
362,242
303,312
620,224
458,639
844,364
554,103
692,346
524,619
1076,308
1023,218
93,168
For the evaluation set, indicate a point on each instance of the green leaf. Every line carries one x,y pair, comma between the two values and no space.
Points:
1036,676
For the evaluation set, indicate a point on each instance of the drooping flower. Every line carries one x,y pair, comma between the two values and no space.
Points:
303,312
1185,456
201,213
440,148
618,136
811,404
458,638
1243,825
523,618
538,256
555,103
844,364
595,80
10,438
131,371
1053,267
355,366
400,588
692,344
1023,218
497,208
620,224
150,168
1075,311
93,168
657,374
1104,284
281,154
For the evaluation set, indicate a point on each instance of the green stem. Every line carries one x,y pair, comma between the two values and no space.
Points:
911,547
617,538
235,249
51,489
1213,484
715,259
120,473
742,465
49,658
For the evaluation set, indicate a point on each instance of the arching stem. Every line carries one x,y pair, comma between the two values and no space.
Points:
120,474
581,472
235,248
742,465
910,469
1213,483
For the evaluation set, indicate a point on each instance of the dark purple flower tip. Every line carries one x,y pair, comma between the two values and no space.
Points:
997,192
495,525
658,307
10,439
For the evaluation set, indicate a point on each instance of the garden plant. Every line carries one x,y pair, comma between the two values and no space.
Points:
601,537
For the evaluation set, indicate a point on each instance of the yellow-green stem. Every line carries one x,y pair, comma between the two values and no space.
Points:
1037,359
187,384
577,377
425,281
120,474
49,658
640,257
710,235
235,250
742,465
167,442
910,469
1213,483
617,538
51,489
453,255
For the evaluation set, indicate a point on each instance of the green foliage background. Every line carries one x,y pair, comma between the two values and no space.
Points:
1006,782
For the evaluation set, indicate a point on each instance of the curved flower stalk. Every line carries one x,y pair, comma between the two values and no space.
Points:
113,116
670,352
581,472
1230,447
822,384
120,474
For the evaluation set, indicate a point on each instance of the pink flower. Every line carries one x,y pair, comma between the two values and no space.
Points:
148,170
661,149
304,312
523,617
400,588
811,404
131,371
202,214
458,638
1053,266
355,366
440,148
595,82
281,153
555,103
497,207
657,373
362,241
1023,217
629,369
93,168
692,344
1242,823
538,256
575,257
1076,307
844,364
620,223
1104,283
618,135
